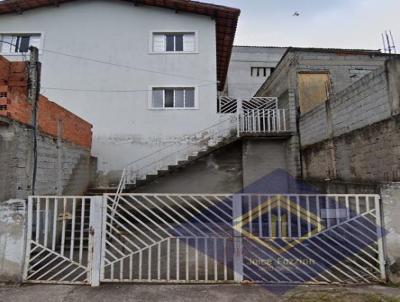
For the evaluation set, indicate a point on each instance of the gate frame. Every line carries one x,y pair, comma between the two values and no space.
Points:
94,244
97,239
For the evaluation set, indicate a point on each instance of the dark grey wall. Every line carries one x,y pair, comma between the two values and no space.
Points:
261,157
228,170
219,172
63,168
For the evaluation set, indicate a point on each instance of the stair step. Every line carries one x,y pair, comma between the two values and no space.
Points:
163,172
140,182
170,168
100,191
151,177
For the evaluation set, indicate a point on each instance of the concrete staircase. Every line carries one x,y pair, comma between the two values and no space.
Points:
169,170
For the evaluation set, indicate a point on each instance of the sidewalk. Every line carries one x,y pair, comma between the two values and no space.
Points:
206,293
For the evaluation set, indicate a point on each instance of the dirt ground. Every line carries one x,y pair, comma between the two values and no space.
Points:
206,293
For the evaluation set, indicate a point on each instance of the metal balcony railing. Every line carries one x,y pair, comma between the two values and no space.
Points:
263,121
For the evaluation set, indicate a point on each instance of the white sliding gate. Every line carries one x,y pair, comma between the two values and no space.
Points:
204,238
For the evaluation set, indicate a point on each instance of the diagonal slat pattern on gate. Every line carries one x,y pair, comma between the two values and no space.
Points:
284,245
279,238
261,238
58,240
179,238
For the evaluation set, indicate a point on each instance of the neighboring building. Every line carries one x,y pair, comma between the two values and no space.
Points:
64,163
250,66
305,77
331,92
144,73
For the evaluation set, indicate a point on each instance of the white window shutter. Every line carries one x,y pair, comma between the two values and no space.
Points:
189,42
34,41
159,42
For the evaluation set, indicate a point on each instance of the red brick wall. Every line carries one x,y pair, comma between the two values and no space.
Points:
14,105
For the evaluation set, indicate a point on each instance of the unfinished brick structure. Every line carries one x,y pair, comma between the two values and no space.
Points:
63,144
53,119
354,136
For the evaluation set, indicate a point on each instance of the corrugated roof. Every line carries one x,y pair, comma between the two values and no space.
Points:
226,21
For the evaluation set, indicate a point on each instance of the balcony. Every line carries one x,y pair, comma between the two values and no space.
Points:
257,116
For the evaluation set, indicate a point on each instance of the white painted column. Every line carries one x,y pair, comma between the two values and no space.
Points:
380,234
95,238
238,241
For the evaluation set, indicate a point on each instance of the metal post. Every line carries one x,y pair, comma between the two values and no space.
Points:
95,239
33,98
380,234
238,241
238,116
28,238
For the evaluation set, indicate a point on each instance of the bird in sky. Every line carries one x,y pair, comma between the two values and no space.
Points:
296,14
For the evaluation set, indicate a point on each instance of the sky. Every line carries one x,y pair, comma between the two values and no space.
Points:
322,23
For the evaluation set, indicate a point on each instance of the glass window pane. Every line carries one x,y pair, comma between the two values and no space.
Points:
179,98
158,96
24,44
170,43
169,98
178,42
189,98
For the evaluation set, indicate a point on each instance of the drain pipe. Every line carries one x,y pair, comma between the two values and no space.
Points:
33,98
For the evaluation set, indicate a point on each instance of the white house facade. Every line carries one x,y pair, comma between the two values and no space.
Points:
145,74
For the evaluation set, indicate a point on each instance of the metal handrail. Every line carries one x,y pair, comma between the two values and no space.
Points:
173,144
125,173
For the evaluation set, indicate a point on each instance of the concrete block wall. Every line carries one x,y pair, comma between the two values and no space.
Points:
367,155
345,68
314,126
63,168
361,104
361,125
64,141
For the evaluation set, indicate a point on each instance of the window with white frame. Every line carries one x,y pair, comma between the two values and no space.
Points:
174,42
18,43
174,98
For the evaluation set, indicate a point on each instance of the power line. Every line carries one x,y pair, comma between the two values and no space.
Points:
23,54
122,65
106,90
111,64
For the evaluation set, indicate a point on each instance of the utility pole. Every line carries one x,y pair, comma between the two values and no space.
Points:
33,98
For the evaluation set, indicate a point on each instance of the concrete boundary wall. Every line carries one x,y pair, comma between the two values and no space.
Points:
390,194
63,168
361,104
12,240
